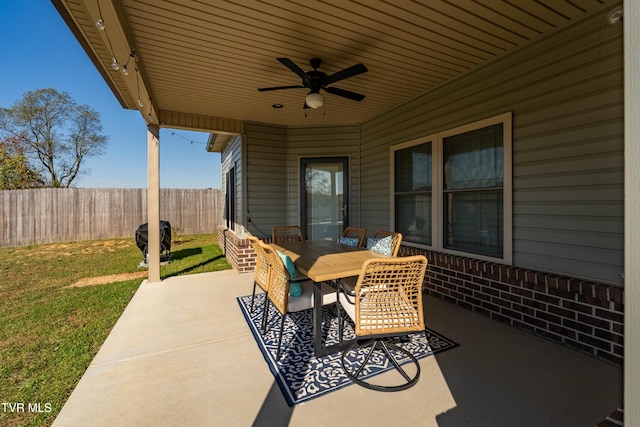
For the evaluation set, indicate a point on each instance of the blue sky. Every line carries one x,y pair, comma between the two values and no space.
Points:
39,51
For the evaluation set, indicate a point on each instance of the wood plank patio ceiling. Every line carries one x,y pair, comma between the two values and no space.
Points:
207,58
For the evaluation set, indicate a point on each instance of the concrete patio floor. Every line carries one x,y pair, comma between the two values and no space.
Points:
182,355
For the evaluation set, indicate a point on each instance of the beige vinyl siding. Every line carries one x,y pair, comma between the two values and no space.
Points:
375,198
566,95
266,177
334,141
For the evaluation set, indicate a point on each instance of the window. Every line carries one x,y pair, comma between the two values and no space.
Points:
452,190
472,191
230,199
413,193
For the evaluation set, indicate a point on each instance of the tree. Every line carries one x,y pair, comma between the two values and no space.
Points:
58,134
15,172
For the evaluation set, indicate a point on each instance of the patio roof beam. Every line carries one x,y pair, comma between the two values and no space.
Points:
115,41
177,120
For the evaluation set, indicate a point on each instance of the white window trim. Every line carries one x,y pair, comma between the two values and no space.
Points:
437,194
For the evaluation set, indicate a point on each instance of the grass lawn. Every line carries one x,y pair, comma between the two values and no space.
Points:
55,313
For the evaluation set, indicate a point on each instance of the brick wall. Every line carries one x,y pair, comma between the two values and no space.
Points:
584,315
237,251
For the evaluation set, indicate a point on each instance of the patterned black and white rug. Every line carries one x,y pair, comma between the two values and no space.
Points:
300,375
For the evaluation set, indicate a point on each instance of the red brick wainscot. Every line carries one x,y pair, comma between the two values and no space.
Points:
584,315
238,251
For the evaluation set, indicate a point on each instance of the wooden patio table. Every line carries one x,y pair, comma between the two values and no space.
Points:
323,261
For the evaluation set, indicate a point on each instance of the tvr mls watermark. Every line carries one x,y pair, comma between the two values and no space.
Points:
21,407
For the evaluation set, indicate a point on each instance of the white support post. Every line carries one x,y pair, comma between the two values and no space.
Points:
631,22
153,202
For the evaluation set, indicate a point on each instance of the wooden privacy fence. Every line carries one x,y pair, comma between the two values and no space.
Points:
49,215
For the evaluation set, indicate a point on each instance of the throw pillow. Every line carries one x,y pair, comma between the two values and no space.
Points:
380,245
372,241
349,241
294,289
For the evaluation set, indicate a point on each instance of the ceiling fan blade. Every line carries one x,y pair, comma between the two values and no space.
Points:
263,89
354,70
345,93
293,67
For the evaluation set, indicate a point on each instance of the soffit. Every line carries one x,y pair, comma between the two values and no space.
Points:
207,58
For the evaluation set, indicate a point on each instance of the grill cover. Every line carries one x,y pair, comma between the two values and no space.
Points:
142,238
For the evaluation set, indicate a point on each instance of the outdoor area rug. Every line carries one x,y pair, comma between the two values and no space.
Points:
300,375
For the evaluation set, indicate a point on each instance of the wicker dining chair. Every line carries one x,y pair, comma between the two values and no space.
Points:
279,293
387,303
384,242
286,234
261,275
354,233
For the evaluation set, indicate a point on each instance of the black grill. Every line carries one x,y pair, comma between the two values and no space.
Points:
142,241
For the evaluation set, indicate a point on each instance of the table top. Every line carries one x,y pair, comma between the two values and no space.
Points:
325,260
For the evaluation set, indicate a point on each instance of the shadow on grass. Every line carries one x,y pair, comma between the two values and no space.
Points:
194,267
187,252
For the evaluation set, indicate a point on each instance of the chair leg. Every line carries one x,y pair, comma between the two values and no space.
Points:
253,296
280,338
366,359
265,313
340,322
385,346
395,362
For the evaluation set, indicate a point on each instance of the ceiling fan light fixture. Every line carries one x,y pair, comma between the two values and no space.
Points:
314,100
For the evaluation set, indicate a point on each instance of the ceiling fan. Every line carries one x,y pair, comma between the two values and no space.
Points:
316,80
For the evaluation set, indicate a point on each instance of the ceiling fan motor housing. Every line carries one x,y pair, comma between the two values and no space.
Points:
317,80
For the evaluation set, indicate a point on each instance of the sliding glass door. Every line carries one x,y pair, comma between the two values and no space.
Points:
324,197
